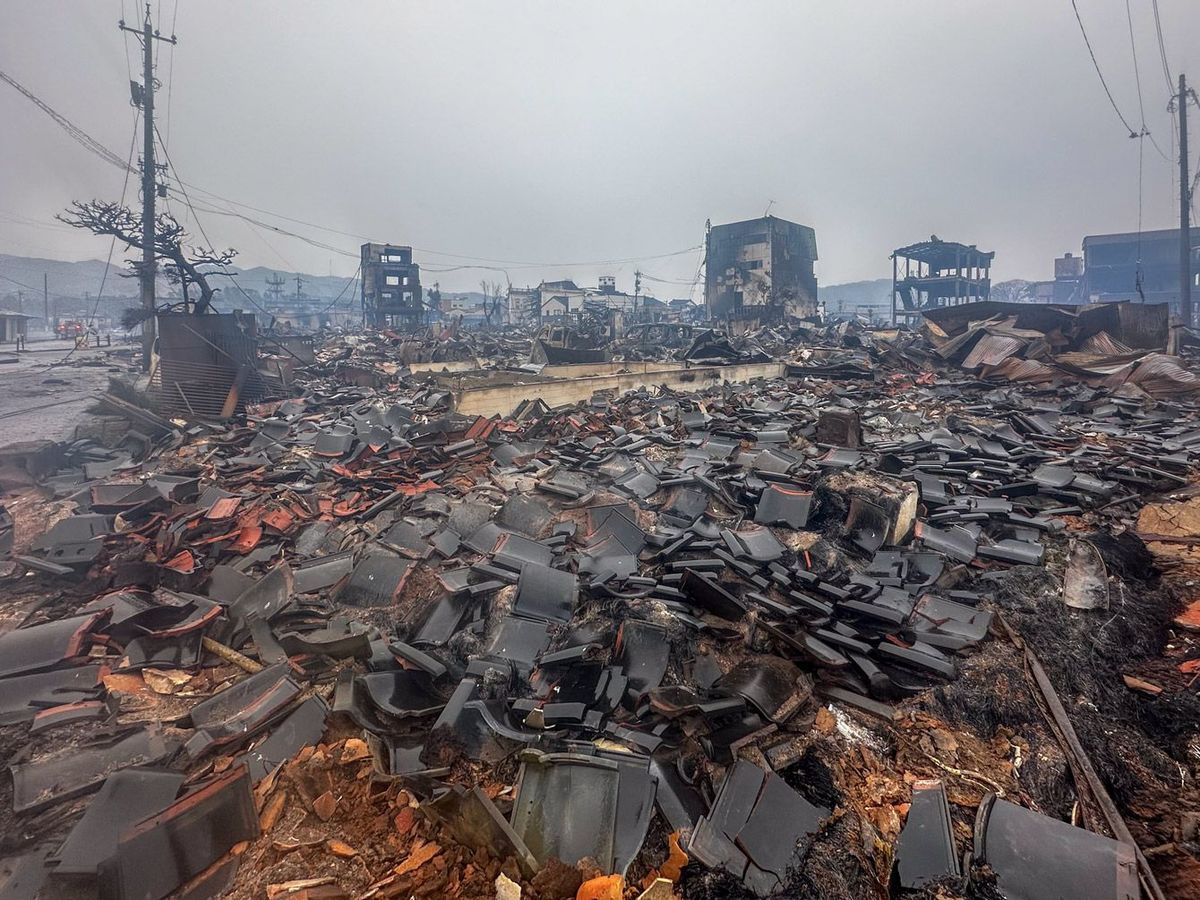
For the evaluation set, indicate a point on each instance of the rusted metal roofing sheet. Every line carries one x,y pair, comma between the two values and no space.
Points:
1027,370
991,350
1162,376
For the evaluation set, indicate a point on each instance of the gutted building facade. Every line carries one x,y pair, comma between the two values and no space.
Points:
937,273
1134,266
391,287
760,269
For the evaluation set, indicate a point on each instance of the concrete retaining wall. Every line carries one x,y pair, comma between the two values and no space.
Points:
459,365
608,368
561,391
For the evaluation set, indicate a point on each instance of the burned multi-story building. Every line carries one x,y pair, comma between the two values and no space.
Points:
391,287
937,273
1134,266
760,269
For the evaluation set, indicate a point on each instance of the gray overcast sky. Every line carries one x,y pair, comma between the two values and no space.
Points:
575,132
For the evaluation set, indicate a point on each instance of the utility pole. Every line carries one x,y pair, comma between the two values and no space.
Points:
637,289
148,268
46,297
1185,198
299,282
275,285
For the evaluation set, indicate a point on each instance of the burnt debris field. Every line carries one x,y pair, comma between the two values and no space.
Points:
845,612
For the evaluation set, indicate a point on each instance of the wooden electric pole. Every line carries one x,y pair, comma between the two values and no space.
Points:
1181,101
1185,200
148,268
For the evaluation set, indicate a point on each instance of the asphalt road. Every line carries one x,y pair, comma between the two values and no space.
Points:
41,400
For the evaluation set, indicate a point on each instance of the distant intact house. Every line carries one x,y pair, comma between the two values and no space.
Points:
559,298
556,299
13,325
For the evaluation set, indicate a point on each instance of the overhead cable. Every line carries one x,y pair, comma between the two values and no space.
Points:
1128,128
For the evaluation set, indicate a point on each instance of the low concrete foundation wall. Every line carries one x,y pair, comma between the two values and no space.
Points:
582,370
561,391
458,365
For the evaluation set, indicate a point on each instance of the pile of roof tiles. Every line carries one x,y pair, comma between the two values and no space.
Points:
642,600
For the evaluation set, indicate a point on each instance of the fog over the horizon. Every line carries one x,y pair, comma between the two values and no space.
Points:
570,132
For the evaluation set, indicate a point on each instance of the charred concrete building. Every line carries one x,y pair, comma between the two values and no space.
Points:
761,268
1134,266
937,273
391,287
1066,286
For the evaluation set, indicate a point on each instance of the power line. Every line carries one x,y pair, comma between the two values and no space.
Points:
1145,132
30,287
77,134
182,192
94,146
171,76
479,259
655,278
1162,49
334,302
1160,150
351,255
1137,75
261,237
287,263
567,265
223,269
700,262
157,18
427,250
8,218
1129,128
463,268
128,63
86,140
112,243
1192,192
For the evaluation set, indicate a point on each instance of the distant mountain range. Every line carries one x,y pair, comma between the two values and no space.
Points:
848,299
845,299
78,279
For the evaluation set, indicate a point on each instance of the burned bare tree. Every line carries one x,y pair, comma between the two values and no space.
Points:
491,299
185,266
